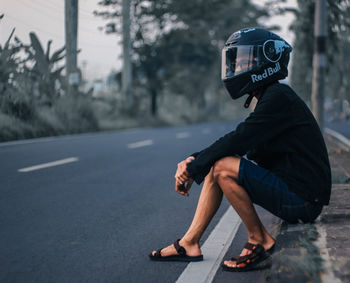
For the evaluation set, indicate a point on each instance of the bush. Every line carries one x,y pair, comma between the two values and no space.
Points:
12,128
76,114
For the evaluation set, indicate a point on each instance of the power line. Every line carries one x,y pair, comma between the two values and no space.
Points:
47,11
83,42
61,20
26,24
83,11
42,12
87,19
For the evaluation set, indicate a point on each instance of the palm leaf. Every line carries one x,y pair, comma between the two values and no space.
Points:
56,56
40,58
48,47
8,41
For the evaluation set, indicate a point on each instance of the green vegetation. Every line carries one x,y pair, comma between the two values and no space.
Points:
176,68
177,53
32,99
338,43
176,58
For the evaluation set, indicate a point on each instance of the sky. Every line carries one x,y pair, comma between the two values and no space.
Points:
100,53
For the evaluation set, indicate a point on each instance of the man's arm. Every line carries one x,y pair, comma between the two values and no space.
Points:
271,117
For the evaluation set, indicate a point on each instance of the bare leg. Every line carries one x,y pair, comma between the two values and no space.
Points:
226,175
208,203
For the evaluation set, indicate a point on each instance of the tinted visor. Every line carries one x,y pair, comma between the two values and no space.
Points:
239,59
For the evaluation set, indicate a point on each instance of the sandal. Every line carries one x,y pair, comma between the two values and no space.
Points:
181,256
249,261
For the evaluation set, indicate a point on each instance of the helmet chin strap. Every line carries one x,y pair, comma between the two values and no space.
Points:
255,93
248,101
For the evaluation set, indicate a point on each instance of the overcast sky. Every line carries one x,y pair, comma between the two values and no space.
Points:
99,51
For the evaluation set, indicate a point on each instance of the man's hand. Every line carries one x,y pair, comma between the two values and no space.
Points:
183,182
183,189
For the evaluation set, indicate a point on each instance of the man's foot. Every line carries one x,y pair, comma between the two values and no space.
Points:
191,249
268,246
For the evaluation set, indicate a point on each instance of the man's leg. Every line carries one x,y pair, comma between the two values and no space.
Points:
226,175
208,203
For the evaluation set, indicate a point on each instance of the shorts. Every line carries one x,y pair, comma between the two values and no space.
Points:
270,192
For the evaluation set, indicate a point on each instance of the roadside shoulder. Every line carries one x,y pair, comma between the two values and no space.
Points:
319,251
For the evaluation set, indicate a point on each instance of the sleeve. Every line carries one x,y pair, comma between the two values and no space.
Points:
195,154
271,117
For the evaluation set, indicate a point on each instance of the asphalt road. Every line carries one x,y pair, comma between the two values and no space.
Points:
98,218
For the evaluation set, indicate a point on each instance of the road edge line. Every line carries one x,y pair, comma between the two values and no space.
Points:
338,136
214,249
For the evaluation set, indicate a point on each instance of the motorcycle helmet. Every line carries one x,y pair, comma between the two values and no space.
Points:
253,58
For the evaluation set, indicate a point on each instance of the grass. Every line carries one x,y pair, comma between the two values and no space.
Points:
22,118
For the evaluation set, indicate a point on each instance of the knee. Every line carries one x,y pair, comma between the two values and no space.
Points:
226,167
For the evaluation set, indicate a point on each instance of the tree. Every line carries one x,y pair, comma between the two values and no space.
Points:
303,28
177,43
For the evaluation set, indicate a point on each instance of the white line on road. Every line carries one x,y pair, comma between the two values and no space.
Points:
338,136
140,144
214,249
49,164
29,141
50,139
182,135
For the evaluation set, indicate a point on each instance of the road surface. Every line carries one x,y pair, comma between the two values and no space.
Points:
91,207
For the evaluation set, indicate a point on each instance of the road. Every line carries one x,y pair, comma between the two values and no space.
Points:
97,216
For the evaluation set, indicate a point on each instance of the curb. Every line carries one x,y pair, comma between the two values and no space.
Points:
302,254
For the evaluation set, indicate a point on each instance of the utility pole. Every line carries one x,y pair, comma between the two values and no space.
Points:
319,62
71,28
127,68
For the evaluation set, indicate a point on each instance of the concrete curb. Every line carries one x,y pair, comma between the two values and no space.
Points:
303,250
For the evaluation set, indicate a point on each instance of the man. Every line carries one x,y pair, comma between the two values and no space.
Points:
290,175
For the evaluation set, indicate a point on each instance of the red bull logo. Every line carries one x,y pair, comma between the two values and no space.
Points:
268,72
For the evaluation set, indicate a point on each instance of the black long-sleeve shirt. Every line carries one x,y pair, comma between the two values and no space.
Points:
282,136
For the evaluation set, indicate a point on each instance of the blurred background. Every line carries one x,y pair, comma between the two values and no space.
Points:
97,65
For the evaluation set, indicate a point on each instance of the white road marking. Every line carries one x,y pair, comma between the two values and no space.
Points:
182,135
338,136
49,164
214,249
29,141
50,139
140,144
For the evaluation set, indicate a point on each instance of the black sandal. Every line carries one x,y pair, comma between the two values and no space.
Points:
181,256
251,260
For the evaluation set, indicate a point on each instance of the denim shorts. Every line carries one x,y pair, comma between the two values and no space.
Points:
270,192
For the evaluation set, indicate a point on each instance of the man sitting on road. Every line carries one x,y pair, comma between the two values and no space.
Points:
290,175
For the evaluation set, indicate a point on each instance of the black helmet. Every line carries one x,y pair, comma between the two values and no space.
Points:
253,58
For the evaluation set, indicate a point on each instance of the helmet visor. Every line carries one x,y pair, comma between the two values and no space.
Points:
239,59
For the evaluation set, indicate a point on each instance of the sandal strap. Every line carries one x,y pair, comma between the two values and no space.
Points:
157,254
250,246
180,250
257,251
